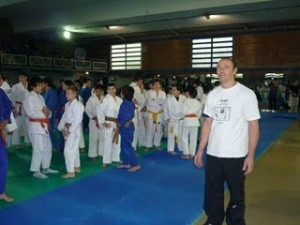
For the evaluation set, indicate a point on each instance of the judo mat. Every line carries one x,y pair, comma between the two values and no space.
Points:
167,190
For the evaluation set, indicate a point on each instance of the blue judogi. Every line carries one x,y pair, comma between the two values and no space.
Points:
85,94
61,101
5,110
50,97
126,114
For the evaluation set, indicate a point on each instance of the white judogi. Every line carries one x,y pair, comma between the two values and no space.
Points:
191,114
18,93
96,138
13,125
72,117
139,100
81,140
38,132
173,114
155,117
108,111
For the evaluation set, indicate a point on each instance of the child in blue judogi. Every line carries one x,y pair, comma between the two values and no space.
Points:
5,110
126,127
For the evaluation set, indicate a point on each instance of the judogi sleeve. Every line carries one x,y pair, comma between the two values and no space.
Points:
7,106
101,111
126,113
77,114
89,108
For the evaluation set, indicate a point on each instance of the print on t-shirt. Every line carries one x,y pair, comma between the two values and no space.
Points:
222,113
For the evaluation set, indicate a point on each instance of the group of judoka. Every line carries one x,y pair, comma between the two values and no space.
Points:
117,125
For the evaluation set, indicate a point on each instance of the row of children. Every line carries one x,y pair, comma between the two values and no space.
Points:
153,110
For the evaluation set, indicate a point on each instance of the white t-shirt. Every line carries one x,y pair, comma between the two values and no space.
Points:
230,109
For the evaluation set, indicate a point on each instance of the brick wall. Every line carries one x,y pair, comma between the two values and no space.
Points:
268,50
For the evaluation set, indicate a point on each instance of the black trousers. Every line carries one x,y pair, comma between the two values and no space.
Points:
218,171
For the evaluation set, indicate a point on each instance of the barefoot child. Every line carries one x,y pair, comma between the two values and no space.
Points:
126,126
38,126
69,125
5,111
96,138
191,115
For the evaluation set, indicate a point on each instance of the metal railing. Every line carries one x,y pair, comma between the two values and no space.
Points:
56,63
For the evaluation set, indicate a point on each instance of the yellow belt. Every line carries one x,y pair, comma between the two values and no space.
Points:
155,115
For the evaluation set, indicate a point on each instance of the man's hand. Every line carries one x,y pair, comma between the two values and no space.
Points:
127,124
248,165
198,160
106,125
66,133
46,112
3,124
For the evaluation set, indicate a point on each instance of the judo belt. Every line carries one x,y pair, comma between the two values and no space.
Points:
155,117
190,116
171,130
42,121
116,131
20,108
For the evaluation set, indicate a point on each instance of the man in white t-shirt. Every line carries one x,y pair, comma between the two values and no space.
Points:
231,133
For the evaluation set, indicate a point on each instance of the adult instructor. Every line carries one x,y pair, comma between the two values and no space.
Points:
231,133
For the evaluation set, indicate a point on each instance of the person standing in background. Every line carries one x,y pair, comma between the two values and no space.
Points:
294,96
5,112
50,97
18,94
273,86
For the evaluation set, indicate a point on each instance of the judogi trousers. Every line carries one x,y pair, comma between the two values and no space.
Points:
189,140
71,152
127,151
111,150
3,167
154,131
174,135
96,140
20,131
41,151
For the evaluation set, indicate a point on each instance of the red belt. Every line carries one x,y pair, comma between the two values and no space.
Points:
190,115
42,121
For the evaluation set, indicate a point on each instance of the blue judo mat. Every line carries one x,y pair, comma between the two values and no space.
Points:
168,190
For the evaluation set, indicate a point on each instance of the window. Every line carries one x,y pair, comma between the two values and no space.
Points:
126,56
206,52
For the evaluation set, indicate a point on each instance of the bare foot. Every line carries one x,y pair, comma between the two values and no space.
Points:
93,159
147,149
18,147
68,175
6,198
123,166
77,170
82,150
172,153
185,157
157,148
134,168
104,165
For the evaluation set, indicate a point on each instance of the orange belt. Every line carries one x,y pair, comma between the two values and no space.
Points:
190,116
116,134
42,121
20,108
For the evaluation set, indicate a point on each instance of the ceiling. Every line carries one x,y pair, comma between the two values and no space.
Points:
123,19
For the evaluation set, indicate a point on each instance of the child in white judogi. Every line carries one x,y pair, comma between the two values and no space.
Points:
96,138
155,103
69,125
173,115
38,128
191,114
107,115
18,93
139,101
